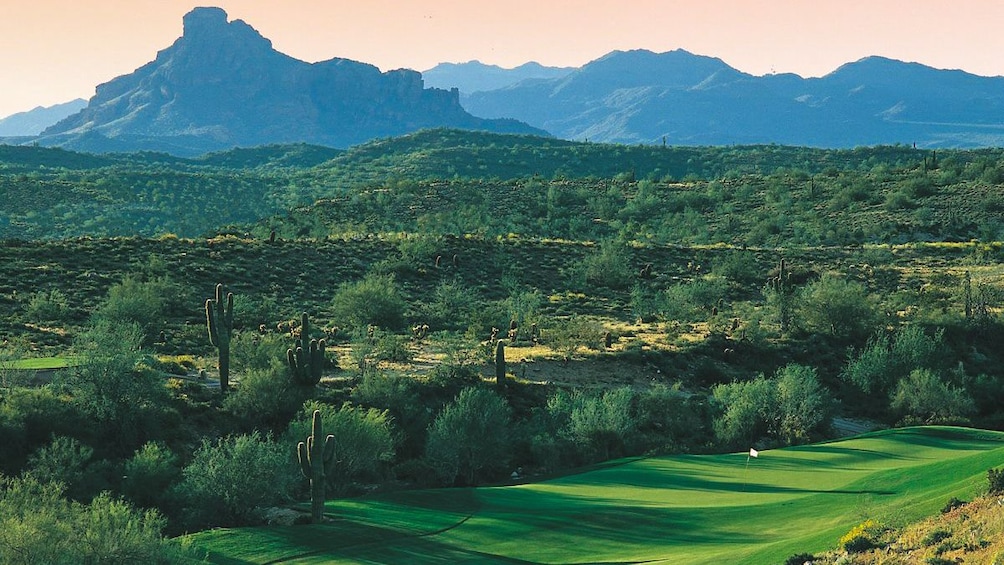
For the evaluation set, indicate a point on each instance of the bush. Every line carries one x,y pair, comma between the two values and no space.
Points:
883,362
266,398
861,537
995,481
693,301
609,266
800,559
250,351
142,303
952,504
38,525
68,462
375,300
364,442
451,306
747,411
148,475
230,481
52,306
470,438
924,396
834,306
804,405
603,423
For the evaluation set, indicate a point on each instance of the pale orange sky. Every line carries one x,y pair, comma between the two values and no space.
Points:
52,51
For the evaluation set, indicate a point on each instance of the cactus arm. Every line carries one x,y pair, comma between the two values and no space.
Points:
303,458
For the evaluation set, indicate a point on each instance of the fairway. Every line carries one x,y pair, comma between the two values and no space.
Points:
679,509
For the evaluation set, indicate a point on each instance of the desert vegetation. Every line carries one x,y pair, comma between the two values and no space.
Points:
460,309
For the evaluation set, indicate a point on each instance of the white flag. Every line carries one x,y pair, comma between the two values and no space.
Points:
753,452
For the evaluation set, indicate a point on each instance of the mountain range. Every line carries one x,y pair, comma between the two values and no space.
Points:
475,76
682,98
222,85
32,122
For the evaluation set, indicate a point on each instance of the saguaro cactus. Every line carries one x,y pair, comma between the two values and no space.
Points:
306,358
782,285
500,366
314,455
220,322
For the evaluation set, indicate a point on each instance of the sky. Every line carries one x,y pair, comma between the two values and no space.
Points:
53,51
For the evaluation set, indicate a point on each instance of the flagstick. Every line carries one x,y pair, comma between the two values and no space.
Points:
746,471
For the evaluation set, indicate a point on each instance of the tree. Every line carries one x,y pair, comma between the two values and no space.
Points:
363,444
885,361
230,481
804,404
925,397
791,407
470,437
148,475
602,423
838,307
134,301
128,401
747,411
375,300
39,525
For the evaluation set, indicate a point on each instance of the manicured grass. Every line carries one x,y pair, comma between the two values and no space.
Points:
681,509
42,363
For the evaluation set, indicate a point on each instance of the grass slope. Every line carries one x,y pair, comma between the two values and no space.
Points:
680,509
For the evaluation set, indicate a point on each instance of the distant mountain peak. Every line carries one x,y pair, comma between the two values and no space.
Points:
221,84
211,25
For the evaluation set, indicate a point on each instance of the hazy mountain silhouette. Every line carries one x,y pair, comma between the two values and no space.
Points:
34,121
475,76
222,85
645,97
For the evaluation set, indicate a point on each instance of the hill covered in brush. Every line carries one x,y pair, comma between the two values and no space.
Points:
456,182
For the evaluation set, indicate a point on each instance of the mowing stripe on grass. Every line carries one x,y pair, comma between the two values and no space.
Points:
679,509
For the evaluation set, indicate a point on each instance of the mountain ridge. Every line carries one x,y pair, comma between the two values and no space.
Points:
221,84
640,96
32,122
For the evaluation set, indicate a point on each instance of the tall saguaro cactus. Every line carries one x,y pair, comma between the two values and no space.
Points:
314,455
500,367
782,285
306,359
220,322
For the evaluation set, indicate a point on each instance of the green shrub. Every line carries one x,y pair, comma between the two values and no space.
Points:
374,300
52,306
926,397
67,461
266,398
838,307
861,538
251,351
364,441
148,475
470,438
232,480
800,559
995,481
38,525
935,536
134,301
609,266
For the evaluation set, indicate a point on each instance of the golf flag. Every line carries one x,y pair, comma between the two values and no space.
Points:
754,453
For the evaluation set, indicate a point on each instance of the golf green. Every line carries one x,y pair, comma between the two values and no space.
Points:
678,509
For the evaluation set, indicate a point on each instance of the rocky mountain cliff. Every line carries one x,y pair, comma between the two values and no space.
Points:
222,85
682,98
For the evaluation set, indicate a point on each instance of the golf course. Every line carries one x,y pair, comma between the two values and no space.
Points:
679,509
